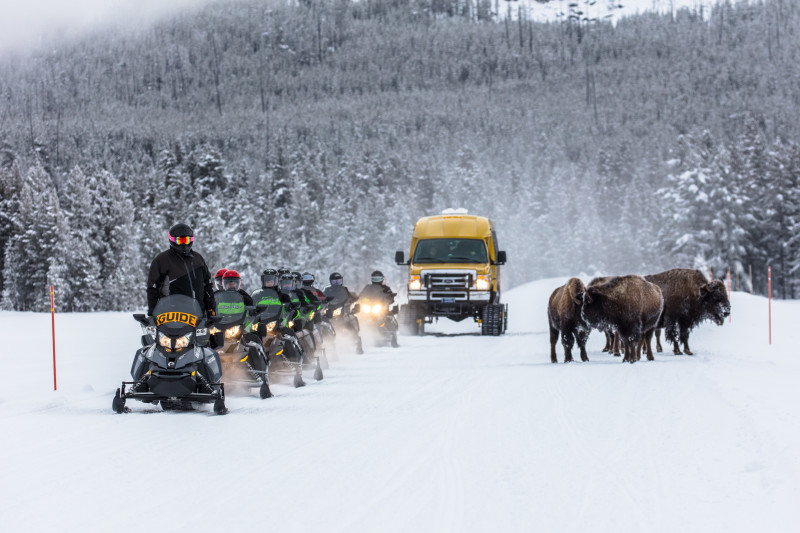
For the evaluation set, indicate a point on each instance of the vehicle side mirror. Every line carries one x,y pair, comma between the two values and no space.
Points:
501,257
399,258
141,319
329,313
356,309
394,310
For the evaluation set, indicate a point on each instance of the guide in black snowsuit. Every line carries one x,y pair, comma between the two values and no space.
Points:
378,290
180,270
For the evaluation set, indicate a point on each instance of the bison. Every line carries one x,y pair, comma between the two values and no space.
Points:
564,315
629,306
689,299
612,341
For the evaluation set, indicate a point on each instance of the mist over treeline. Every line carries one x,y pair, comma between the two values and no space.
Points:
313,135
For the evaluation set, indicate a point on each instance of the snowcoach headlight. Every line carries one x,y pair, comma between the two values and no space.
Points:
337,312
483,283
271,326
182,342
414,283
232,333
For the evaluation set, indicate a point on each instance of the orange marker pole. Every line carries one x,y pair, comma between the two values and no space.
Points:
53,323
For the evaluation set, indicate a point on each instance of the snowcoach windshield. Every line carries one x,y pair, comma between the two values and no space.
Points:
450,251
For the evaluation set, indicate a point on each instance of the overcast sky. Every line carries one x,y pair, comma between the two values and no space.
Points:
23,23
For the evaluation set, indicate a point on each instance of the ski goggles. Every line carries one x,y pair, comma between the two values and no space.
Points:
181,240
337,281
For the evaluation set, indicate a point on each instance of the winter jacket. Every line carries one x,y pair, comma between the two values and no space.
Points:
378,291
172,273
339,295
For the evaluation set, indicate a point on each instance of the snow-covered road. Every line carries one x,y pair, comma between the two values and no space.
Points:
449,432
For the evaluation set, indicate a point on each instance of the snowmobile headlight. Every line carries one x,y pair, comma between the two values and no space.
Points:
311,315
337,312
165,341
232,333
291,323
482,283
214,330
366,308
414,283
376,309
182,342
271,326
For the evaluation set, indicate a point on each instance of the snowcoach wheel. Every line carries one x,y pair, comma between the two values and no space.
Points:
118,403
219,407
298,381
264,391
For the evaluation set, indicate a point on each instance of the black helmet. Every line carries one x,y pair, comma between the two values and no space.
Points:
181,238
308,279
283,270
377,277
287,282
336,279
269,278
298,279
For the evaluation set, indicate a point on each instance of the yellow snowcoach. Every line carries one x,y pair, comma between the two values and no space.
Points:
453,272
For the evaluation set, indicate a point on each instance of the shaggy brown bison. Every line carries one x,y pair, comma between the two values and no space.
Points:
564,315
628,305
689,299
612,341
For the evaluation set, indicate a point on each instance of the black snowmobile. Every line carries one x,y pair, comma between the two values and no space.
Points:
340,317
380,319
287,355
175,366
244,360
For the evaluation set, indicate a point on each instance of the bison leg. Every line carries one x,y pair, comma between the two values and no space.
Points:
671,334
582,337
568,341
617,345
553,341
658,340
609,341
648,339
685,341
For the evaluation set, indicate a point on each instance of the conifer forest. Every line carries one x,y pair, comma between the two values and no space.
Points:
313,134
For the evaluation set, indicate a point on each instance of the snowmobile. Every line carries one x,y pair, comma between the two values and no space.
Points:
244,360
342,318
380,318
286,354
175,366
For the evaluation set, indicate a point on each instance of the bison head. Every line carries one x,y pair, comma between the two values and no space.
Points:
715,302
576,290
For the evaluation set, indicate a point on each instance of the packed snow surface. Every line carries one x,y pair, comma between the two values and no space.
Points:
450,432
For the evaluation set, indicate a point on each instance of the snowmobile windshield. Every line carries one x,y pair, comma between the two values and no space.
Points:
450,251
230,308
177,313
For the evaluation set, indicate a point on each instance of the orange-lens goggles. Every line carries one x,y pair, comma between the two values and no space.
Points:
181,240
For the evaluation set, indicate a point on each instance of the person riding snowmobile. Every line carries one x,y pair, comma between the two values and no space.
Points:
218,279
231,281
180,270
340,300
376,300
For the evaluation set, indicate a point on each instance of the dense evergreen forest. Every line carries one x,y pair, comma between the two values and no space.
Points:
314,134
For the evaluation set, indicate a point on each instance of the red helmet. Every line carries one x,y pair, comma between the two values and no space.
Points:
218,278
231,281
